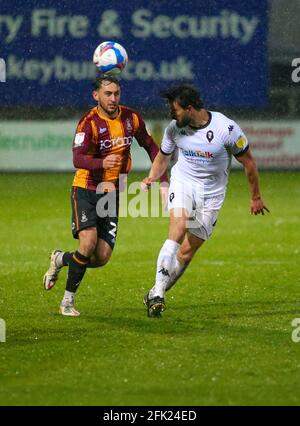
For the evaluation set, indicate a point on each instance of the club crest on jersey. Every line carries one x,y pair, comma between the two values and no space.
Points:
128,125
102,130
210,135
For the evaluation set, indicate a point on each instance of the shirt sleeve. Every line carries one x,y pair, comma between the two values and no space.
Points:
168,144
237,142
81,158
146,141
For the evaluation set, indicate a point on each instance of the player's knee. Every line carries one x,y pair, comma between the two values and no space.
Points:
88,246
88,242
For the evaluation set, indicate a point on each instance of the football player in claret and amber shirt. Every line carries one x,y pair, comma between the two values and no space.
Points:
101,153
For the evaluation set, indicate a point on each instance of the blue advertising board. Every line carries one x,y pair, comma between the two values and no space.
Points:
219,46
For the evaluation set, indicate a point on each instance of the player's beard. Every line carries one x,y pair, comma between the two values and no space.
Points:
109,111
183,122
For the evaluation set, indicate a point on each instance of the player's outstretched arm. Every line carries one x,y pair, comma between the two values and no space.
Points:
257,205
159,167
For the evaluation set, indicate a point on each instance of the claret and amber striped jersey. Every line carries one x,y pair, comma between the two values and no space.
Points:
97,137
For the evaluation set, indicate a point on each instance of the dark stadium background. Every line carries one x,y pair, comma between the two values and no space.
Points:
229,335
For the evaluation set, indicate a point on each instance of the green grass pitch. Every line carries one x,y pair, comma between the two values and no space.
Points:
225,338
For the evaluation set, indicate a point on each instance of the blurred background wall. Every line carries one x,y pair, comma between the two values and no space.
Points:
239,54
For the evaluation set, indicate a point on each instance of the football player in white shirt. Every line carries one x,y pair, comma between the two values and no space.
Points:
206,141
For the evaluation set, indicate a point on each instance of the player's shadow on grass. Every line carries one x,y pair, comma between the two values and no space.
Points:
242,309
238,309
127,320
44,334
194,319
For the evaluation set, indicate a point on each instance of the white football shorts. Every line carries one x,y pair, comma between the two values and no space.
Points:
203,210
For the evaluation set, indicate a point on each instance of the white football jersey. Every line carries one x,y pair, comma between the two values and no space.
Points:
204,154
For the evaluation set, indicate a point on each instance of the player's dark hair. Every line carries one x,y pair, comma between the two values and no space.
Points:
184,94
97,83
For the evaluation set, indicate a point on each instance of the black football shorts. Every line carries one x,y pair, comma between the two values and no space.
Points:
90,209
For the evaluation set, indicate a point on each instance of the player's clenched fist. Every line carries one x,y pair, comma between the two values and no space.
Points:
111,161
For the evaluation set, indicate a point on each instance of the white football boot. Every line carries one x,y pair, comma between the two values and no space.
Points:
51,276
67,309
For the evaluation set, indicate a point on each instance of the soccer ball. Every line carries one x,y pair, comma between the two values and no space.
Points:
110,58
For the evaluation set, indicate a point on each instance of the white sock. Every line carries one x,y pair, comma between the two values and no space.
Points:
68,297
164,267
178,270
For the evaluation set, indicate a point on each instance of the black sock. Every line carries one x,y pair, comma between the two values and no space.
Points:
77,268
93,262
92,265
67,256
